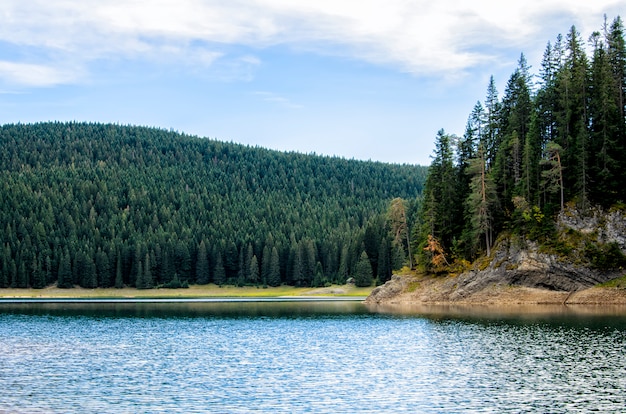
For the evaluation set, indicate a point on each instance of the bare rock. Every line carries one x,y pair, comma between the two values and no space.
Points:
389,290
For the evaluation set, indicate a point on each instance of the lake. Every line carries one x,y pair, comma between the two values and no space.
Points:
322,357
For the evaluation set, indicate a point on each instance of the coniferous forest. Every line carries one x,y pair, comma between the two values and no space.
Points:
555,138
97,205
100,205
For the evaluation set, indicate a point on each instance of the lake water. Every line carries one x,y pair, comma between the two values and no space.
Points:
335,357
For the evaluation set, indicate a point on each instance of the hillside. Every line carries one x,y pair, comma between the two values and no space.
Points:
104,205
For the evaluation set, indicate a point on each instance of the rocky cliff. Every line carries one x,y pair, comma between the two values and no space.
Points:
523,269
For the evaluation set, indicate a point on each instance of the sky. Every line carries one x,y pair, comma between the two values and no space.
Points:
368,80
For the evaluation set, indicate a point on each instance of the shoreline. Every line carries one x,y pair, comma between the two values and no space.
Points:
193,293
410,290
224,299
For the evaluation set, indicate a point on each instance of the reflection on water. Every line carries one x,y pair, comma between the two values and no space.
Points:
309,357
591,315
189,309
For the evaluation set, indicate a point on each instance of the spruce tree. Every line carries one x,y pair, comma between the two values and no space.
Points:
148,280
202,265
273,275
219,273
479,205
384,261
363,272
253,273
64,280
119,279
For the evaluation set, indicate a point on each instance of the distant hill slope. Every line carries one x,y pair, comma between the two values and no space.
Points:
103,205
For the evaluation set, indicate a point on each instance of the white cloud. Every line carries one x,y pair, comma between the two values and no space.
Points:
421,36
37,75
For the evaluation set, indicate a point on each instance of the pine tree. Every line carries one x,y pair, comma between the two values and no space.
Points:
344,269
148,280
89,279
254,271
38,276
553,175
492,117
247,264
318,279
617,59
140,283
572,87
384,261
297,272
219,274
202,265
265,263
273,275
103,270
4,270
399,226
119,278
22,275
480,203
363,272
65,272
439,206
607,125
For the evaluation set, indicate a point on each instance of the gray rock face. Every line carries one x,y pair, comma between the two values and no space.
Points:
614,229
518,262
390,289
525,266
610,227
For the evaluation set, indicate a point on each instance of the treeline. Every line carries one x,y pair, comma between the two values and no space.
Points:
554,138
100,205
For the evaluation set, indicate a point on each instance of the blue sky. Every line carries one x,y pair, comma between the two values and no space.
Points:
369,79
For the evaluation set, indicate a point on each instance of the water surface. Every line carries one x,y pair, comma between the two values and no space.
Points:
308,357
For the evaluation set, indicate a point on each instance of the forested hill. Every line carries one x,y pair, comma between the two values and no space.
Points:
108,205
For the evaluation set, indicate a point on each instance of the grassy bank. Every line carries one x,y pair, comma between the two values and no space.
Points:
195,291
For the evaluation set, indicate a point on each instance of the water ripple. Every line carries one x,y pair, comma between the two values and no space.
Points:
325,363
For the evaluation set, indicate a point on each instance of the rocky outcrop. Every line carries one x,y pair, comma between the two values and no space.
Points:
605,227
394,287
520,263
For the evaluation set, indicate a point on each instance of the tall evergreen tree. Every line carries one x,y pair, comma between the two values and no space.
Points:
103,270
516,111
617,59
254,274
219,274
363,272
572,86
65,272
605,128
439,195
119,277
480,204
148,280
384,261
202,265
273,274
38,275
492,120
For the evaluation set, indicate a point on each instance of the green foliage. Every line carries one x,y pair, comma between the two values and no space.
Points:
619,283
88,203
605,257
363,274
522,158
